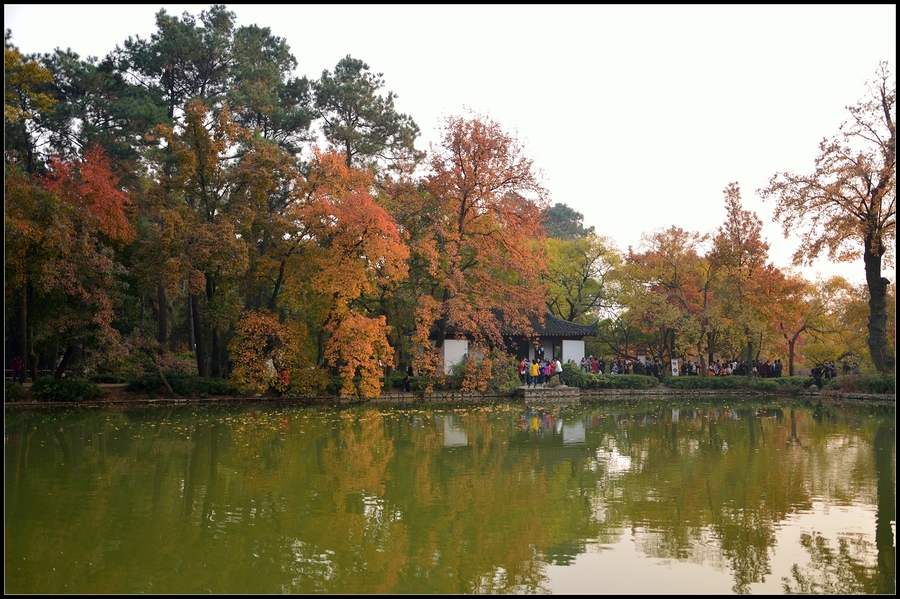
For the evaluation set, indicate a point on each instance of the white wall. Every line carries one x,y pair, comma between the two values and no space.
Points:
454,350
572,350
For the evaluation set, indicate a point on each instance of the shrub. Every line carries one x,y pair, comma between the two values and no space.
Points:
862,383
106,379
792,384
686,382
800,383
632,381
619,381
74,389
14,391
311,381
575,376
505,376
877,383
334,385
760,384
450,382
182,384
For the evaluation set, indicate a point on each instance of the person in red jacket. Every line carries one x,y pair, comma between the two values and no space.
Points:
18,370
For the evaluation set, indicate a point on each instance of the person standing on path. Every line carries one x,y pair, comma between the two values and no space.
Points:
533,372
18,370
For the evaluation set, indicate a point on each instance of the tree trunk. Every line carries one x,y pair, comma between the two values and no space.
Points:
162,321
200,347
751,368
273,300
882,355
791,345
64,363
32,357
159,370
216,355
79,341
191,343
320,348
23,330
216,362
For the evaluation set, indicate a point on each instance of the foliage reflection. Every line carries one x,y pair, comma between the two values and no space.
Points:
439,500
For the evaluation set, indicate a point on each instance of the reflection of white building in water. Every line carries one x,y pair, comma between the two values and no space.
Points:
454,433
612,460
573,432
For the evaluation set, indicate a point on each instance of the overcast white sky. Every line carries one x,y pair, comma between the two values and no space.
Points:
639,116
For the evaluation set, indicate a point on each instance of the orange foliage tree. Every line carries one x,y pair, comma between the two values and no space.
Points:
483,246
743,253
62,233
669,293
353,248
848,206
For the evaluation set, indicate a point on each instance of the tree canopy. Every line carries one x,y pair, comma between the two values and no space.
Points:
189,203
847,206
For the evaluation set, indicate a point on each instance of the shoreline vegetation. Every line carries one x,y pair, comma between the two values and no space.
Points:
232,227
194,390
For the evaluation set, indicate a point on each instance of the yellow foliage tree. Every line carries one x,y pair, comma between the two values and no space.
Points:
359,345
260,337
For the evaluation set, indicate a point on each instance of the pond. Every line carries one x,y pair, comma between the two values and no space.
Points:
631,496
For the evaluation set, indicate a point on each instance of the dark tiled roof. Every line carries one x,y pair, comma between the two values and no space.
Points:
557,327
553,327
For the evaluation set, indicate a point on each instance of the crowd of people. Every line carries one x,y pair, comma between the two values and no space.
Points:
538,372
648,367
761,368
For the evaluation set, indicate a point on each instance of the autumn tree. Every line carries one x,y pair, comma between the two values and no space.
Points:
810,314
483,246
360,347
847,206
843,338
62,232
668,289
259,337
743,254
186,58
351,247
194,205
25,100
267,190
578,273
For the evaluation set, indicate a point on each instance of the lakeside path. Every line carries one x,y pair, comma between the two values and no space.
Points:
116,396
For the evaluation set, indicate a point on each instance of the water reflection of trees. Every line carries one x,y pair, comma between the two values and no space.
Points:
441,501
844,571
849,569
738,474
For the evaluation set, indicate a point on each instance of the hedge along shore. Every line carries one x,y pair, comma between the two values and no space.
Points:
454,397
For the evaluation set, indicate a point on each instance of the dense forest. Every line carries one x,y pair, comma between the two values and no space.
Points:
189,204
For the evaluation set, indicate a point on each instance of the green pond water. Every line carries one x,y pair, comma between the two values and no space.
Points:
662,497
